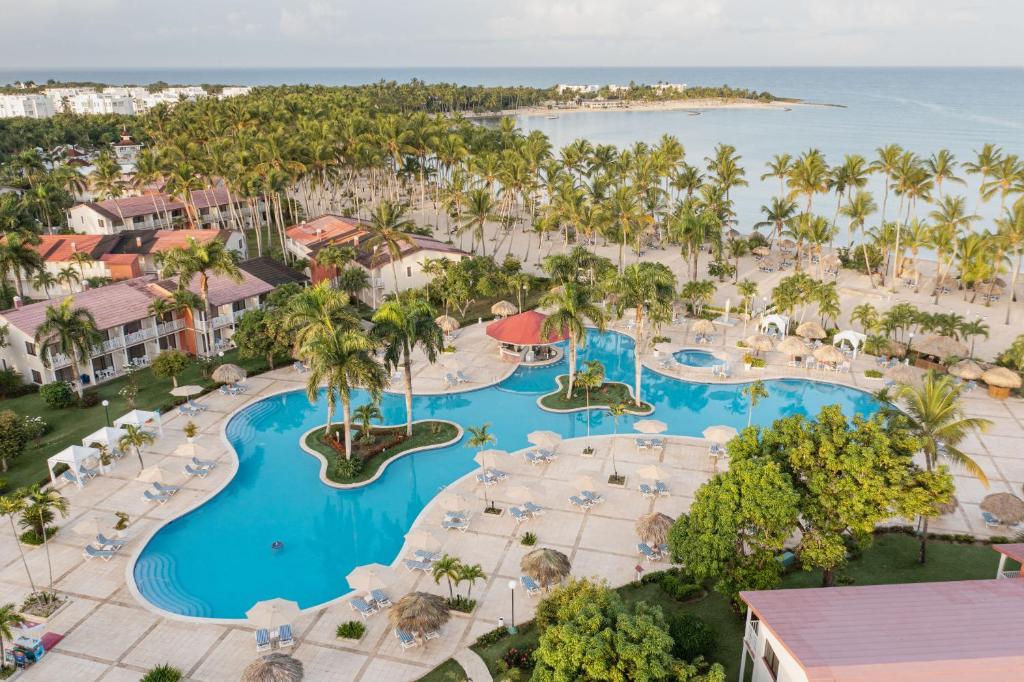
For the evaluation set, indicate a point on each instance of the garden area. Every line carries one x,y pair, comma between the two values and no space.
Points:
605,395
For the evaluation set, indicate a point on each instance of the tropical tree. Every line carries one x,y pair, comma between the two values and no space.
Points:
573,309
480,209
42,504
135,438
9,506
365,414
1011,235
480,437
8,617
18,260
170,363
389,232
73,331
590,379
649,290
449,568
470,574
754,392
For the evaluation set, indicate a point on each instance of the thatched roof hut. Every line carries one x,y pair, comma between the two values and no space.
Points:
1009,509
967,369
703,327
419,613
940,346
793,346
1000,381
902,374
447,323
545,565
274,667
759,343
653,528
811,330
228,374
504,309
829,354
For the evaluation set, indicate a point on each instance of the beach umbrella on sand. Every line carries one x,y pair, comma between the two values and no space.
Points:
186,391
228,374
703,327
940,346
811,330
946,282
153,474
720,434
544,439
371,577
447,323
759,343
829,354
792,346
650,426
545,565
652,472
422,538
273,613
504,309
967,369
1008,508
419,613
653,528
450,501
274,667
762,251
787,244
902,374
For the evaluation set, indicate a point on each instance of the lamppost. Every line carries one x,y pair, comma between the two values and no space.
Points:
910,342
106,412
512,592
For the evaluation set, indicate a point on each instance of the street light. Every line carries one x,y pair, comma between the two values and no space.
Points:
106,404
512,592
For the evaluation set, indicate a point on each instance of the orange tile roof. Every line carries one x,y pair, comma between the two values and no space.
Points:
328,229
57,248
523,329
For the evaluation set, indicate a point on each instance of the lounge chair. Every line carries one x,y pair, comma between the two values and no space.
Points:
990,520
455,524
284,636
717,449
224,390
299,367
456,515
359,604
591,496
661,488
530,585
405,640
200,472
656,443
154,497
91,552
647,551
534,458
198,407
497,474
186,411
647,491
486,479
582,504
414,565
432,634
450,381
262,640
113,544
380,599
166,489
424,555
535,510
86,472
518,514
461,377
70,477
204,463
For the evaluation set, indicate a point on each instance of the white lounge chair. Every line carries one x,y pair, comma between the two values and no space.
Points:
456,524
534,509
91,552
380,599
113,544
166,489
200,472
150,496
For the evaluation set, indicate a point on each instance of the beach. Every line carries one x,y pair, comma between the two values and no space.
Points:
694,105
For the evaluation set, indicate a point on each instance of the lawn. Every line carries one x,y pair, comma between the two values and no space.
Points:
423,435
610,393
449,671
481,307
69,426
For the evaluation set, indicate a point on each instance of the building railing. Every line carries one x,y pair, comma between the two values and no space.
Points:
750,635
58,360
141,335
169,327
1008,574
223,320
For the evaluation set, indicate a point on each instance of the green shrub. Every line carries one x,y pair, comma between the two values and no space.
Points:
89,399
31,537
691,637
461,604
12,385
489,638
35,427
348,468
754,361
660,339
872,374
352,629
678,587
58,395
162,673
529,539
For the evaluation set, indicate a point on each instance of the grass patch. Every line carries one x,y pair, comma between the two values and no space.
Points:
611,392
449,671
481,307
423,434
70,425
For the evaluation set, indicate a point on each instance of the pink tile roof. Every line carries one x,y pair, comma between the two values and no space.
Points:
133,207
1014,551
328,228
958,630
112,305
416,244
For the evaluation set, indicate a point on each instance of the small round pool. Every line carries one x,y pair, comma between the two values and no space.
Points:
696,358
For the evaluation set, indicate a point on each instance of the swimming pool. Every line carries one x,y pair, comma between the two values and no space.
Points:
696,358
216,561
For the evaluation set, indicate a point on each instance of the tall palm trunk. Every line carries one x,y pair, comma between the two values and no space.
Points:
407,378
639,365
346,415
46,546
1013,287
572,367
21,549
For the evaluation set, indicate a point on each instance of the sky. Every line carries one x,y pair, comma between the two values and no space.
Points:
400,33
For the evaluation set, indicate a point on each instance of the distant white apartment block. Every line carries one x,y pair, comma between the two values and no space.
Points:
29,105
112,100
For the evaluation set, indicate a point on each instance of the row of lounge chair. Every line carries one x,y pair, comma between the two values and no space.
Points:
659,489
540,456
650,444
491,476
423,561
453,380
283,636
191,408
374,601
103,548
233,389
85,474
200,467
456,520
651,553
407,641
587,499
160,493
528,511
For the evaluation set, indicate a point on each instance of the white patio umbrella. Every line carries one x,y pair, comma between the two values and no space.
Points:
652,472
422,538
720,434
489,458
90,526
187,390
650,426
450,501
153,474
523,493
542,439
273,613
371,577
191,450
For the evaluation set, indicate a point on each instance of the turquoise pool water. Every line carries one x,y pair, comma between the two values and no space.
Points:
696,358
216,561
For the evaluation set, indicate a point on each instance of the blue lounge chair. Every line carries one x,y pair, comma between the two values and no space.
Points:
204,463
200,472
455,524
647,551
224,390
91,552
414,565
582,504
497,474
534,458
531,587
262,640
359,604
186,411
591,496
461,377
990,519
518,514
661,488
299,367
113,544
534,509
456,515
154,497
284,636
70,477
424,555
486,479
450,380
166,489
198,407
86,472
380,598
405,640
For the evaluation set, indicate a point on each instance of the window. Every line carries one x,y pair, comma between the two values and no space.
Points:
771,661
37,378
30,348
408,271
101,222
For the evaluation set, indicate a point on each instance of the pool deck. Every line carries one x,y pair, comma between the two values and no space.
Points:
111,635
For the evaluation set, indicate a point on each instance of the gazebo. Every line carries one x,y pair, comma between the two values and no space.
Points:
73,456
854,339
106,435
522,339
780,322
142,418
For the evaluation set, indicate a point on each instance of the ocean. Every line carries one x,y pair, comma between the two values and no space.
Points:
923,109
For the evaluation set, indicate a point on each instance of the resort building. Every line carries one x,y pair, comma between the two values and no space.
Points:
215,207
934,632
126,150
307,239
27,104
132,335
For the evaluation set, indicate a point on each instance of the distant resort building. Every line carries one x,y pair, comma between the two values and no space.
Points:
911,632
26,104
111,100
306,240
131,334
215,208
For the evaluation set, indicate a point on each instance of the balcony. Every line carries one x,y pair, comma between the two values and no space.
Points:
169,327
58,360
223,320
1007,574
107,346
144,334
750,636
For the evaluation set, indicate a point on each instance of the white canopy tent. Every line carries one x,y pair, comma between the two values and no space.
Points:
141,418
852,338
73,456
780,322
106,435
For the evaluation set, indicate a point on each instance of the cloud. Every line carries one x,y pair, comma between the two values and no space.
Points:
312,18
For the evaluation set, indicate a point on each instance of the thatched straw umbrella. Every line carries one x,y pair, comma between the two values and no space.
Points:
419,613
894,349
1009,509
703,327
940,346
545,565
228,374
793,346
811,330
946,282
447,323
902,374
273,668
762,251
967,369
504,309
759,343
1000,380
653,528
829,354
787,244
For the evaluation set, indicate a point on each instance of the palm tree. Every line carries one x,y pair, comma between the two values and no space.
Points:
73,331
68,277
754,392
573,309
886,163
43,502
942,166
591,378
365,414
403,324
479,438
343,359
18,260
319,309
779,168
985,159
44,279
616,410
649,289
860,206
8,616
480,208
470,574
971,329
212,258
135,438
936,416
389,231
9,506
448,567
1011,233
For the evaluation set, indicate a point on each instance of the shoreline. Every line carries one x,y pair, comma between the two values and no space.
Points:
693,106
